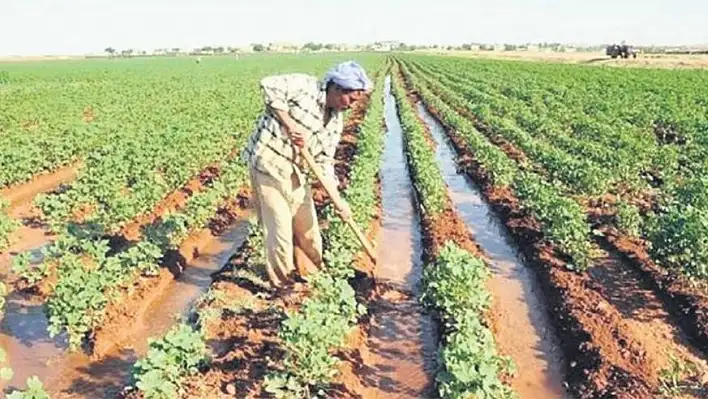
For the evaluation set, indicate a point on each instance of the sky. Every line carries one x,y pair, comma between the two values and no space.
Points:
34,27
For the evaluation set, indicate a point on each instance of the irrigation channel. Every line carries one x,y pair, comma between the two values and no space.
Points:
522,329
31,351
399,357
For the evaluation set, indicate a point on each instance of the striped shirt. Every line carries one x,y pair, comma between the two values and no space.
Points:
271,151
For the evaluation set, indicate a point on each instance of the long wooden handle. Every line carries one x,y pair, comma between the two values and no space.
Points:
331,191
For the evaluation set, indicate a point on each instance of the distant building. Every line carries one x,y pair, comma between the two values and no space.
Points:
386,46
283,47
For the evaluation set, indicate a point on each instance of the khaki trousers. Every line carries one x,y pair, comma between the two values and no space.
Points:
286,213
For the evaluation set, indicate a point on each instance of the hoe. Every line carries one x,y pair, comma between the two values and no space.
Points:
337,203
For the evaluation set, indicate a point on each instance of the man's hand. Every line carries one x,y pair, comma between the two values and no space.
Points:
297,135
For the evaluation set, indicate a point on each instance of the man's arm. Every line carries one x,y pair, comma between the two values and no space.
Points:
277,91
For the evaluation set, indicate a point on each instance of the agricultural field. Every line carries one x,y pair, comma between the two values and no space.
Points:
539,230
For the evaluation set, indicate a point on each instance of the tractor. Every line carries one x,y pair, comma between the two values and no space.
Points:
621,50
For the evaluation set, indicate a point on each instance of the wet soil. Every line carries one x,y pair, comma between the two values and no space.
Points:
23,193
244,340
519,315
150,310
396,351
32,234
585,336
243,337
615,354
130,307
687,303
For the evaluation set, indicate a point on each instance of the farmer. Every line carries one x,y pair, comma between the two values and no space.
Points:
300,111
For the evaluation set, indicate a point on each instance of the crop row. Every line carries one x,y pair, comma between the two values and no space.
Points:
91,274
140,130
55,115
123,180
579,174
672,228
7,225
652,116
454,281
182,351
548,118
563,221
320,325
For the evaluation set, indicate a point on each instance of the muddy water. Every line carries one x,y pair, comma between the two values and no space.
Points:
32,235
400,357
522,328
31,351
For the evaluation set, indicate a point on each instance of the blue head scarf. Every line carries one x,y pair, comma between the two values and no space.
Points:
348,75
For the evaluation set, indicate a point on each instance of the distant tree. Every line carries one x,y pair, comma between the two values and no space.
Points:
467,46
330,46
175,49
258,47
312,46
510,47
110,50
219,49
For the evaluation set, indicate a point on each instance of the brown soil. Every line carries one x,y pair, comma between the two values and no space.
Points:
386,355
243,338
618,349
642,315
132,302
602,360
687,303
20,194
672,61
448,225
172,202
245,344
517,315
391,355
33,233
